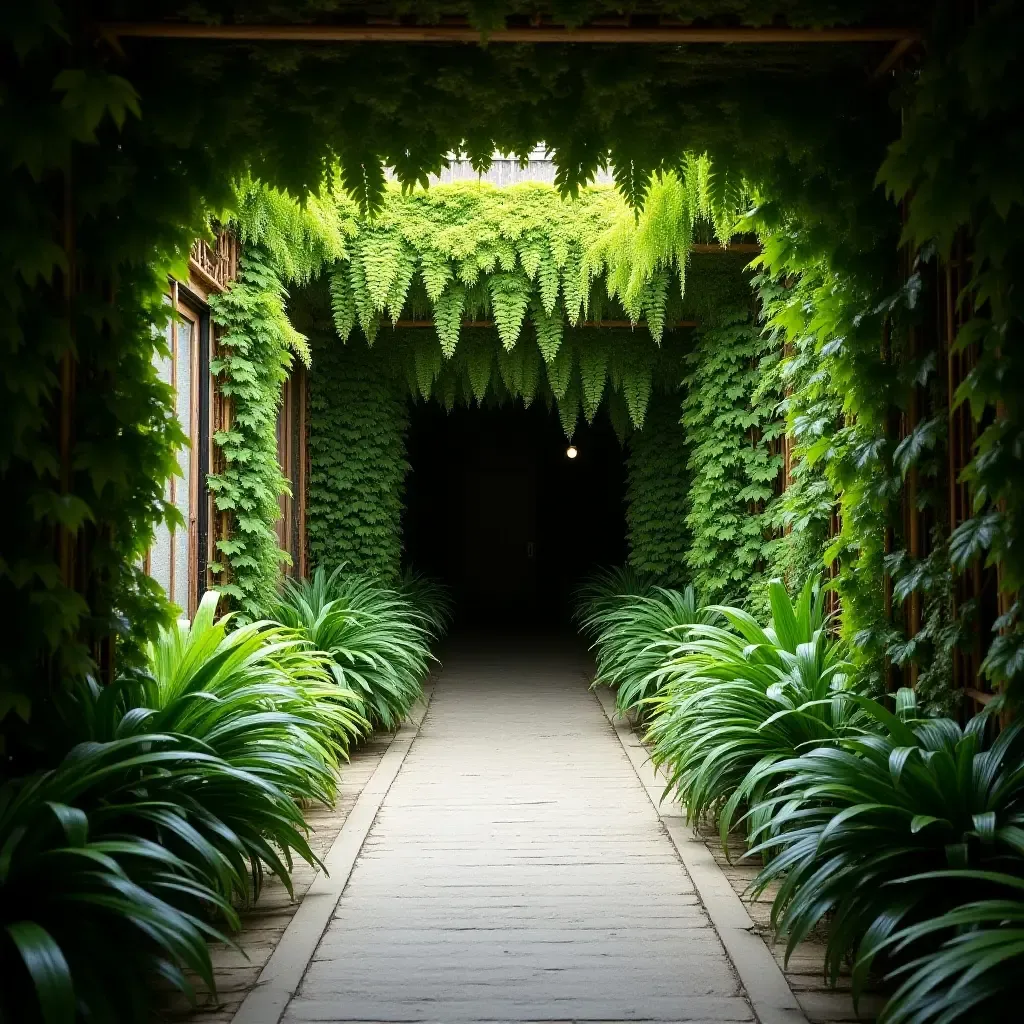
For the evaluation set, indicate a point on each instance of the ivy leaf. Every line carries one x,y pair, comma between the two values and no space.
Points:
921,439
973,538
89,94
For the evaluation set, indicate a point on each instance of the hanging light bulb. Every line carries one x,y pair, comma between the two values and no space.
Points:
571,452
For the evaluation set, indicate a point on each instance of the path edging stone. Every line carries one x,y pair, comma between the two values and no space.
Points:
771,998
267,1000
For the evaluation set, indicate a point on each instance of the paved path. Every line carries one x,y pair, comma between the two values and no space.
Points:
518,872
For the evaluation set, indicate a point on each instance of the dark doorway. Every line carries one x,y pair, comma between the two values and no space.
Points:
496,508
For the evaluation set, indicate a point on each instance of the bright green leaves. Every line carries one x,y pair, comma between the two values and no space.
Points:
729,427
357,421
509,299
448,317
549,328
343,304
255,358
657,492
592,356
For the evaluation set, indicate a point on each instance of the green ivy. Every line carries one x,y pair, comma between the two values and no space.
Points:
357,423
657,493
730,426
255,356
965,105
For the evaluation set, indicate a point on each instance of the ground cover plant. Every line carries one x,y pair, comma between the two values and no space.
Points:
184,787
908,842
739,698
431,598
635,635
603,589
378,639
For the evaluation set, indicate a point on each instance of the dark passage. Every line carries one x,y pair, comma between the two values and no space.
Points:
496,509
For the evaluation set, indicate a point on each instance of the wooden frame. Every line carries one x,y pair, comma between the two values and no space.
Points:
663,34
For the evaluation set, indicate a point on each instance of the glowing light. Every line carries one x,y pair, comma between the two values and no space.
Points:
571,452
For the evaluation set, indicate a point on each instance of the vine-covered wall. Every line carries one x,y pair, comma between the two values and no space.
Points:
730,420
255,355
113,166
357,423
657,492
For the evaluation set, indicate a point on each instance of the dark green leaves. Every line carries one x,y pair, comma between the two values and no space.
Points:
48,970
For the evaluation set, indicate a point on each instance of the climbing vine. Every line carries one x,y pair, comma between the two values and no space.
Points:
657,493
969,97
255,356
115,157
731,428
357,423
284,243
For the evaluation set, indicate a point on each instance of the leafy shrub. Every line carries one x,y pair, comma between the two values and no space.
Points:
263,704
976,969
738,701
377,640
635,635
91,913
603,589
431,598
117,865
893,836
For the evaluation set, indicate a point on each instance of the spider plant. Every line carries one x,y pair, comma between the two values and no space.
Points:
738,701
887,831
973,971
604,587
258,710
431,598
377,641
635,634
91,913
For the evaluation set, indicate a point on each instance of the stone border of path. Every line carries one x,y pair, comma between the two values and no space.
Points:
771,998
279,980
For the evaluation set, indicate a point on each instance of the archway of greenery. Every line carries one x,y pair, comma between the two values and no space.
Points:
554,277
884,189
115,164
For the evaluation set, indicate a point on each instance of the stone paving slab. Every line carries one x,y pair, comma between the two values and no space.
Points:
517,871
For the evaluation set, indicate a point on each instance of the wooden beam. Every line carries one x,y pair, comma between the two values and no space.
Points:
664,35
732,247
585,323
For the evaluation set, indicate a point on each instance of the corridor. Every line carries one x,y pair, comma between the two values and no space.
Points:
516,870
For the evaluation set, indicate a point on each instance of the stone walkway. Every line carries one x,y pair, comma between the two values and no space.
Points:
516,871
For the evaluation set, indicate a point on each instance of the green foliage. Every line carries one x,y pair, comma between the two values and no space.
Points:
738,700
255,355
357,422
801,515
431,598
635,633
975,970
85,265
90,917
657,493
886,832
601,591
132,852
966,101
638,251
472,250
730,425
377,638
